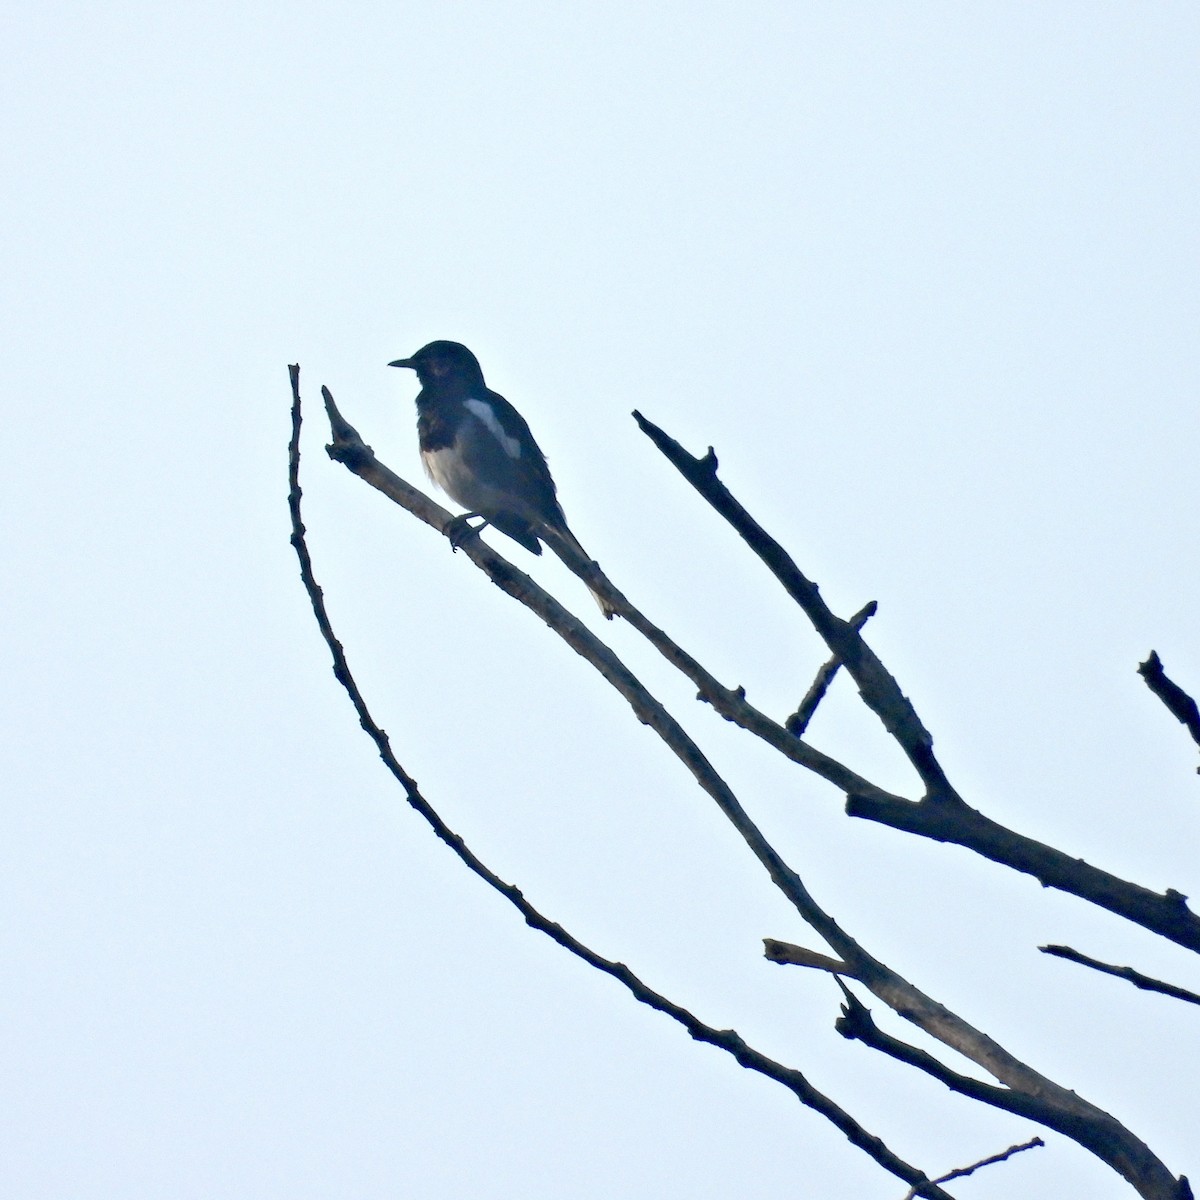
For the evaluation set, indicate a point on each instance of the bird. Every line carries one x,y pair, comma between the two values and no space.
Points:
478,449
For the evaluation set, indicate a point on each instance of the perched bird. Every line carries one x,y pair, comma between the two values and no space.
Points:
477,448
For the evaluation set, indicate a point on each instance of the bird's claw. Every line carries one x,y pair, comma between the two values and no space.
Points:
459,529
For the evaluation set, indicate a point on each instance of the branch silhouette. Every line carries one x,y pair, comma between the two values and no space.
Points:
940,812
349,449
962,1172
1145,982
1179,704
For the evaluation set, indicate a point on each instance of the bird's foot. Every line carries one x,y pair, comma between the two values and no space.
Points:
460,529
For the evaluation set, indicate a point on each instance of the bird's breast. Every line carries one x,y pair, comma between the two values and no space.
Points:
449,470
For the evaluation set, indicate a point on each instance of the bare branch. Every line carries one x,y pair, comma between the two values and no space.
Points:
1098,1132
1166,914
724,1039
879,690
942,815
961,1172
359,458
1178,702
731,703
1057,1106
1145,982
800,956
797,723
349,449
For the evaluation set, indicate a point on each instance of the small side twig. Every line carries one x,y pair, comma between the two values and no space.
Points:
960,1172
800,956
797,723
1145,982
1178,702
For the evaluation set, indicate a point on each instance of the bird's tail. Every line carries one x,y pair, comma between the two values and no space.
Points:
567,546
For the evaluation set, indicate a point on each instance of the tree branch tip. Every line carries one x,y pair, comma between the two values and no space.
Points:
347,446
1152,663
961,1172
788,954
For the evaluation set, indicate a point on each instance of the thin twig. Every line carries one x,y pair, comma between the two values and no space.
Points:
800,956
797,723
961,1172
724,1039
1145,982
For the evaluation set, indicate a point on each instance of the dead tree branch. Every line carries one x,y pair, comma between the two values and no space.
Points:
1099,1132
941,814
879,690
1145,982
800,956
1179,704
962,1172
350,449
1023,1087
797,723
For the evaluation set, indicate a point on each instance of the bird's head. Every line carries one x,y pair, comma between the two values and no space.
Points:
443,363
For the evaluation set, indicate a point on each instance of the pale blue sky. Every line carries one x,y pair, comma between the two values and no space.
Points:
925,276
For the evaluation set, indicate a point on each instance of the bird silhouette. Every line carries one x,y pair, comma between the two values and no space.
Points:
478,449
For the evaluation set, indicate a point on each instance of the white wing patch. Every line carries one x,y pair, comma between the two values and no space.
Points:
484,411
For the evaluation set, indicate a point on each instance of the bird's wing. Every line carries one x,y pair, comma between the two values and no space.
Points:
498,447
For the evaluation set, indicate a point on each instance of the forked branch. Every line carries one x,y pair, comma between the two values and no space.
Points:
350,449
941,815
1021,1086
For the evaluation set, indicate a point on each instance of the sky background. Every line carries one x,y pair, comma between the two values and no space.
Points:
924,275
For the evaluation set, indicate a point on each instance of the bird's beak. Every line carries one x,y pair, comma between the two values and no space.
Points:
403,362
